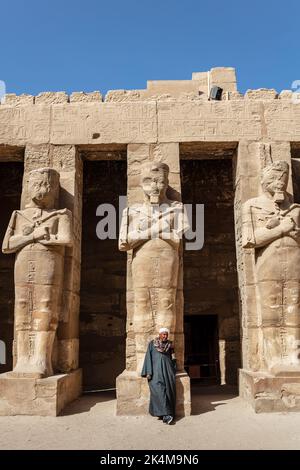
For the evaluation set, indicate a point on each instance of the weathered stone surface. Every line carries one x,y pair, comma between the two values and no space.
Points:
175,88
94,123
38,234
81,96
236,95
270,225
133,395
159,125
155,267
124,95
285,95
42,397
212,121
141,153
78,123
183,395
224,77
52,97
261,94
68,352
129,116
23,124
18,100
267,393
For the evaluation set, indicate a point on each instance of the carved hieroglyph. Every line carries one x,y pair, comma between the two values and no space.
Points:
153,230
271,225
38,235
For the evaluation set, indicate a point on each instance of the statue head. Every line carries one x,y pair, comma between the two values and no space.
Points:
43,187
154,181
275,179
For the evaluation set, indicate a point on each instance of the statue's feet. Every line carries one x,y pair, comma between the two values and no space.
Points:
286,370
36,371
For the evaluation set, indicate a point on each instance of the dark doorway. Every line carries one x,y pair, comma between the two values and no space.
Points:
103,279
202,348
11,175
210,274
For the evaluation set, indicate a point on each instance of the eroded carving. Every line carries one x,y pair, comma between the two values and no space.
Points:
38,235
271,225
153,230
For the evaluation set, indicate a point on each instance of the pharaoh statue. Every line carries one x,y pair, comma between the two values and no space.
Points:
271,225
38,235
153,231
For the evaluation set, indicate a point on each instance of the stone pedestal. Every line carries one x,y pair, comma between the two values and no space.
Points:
133,394
269,393
183,394
41,397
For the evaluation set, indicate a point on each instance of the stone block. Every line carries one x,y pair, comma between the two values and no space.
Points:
68,353
81,96
133,394
268,393
249,160
235,95
96,123
223,77
63,157
285,95
167,153
175,88
261,94
37,156
69,325
183,394
12,99
52,97
218,121
124,95
200,77
41,397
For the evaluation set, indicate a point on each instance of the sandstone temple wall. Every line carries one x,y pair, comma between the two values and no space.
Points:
165,122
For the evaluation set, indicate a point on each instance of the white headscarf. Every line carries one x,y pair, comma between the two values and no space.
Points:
164,330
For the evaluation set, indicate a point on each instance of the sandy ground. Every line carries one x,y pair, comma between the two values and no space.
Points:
220,420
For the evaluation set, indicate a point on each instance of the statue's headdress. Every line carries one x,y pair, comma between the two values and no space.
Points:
152,168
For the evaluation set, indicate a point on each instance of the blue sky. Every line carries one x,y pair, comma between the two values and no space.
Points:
86,45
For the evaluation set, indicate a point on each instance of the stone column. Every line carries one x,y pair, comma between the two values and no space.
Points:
265,389
247,183
47,396
132,390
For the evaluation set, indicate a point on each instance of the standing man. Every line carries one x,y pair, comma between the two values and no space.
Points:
160,371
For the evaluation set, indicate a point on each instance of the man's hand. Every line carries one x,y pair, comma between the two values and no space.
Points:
149,377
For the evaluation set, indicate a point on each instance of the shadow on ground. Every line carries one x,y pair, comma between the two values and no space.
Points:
87,401
207,398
